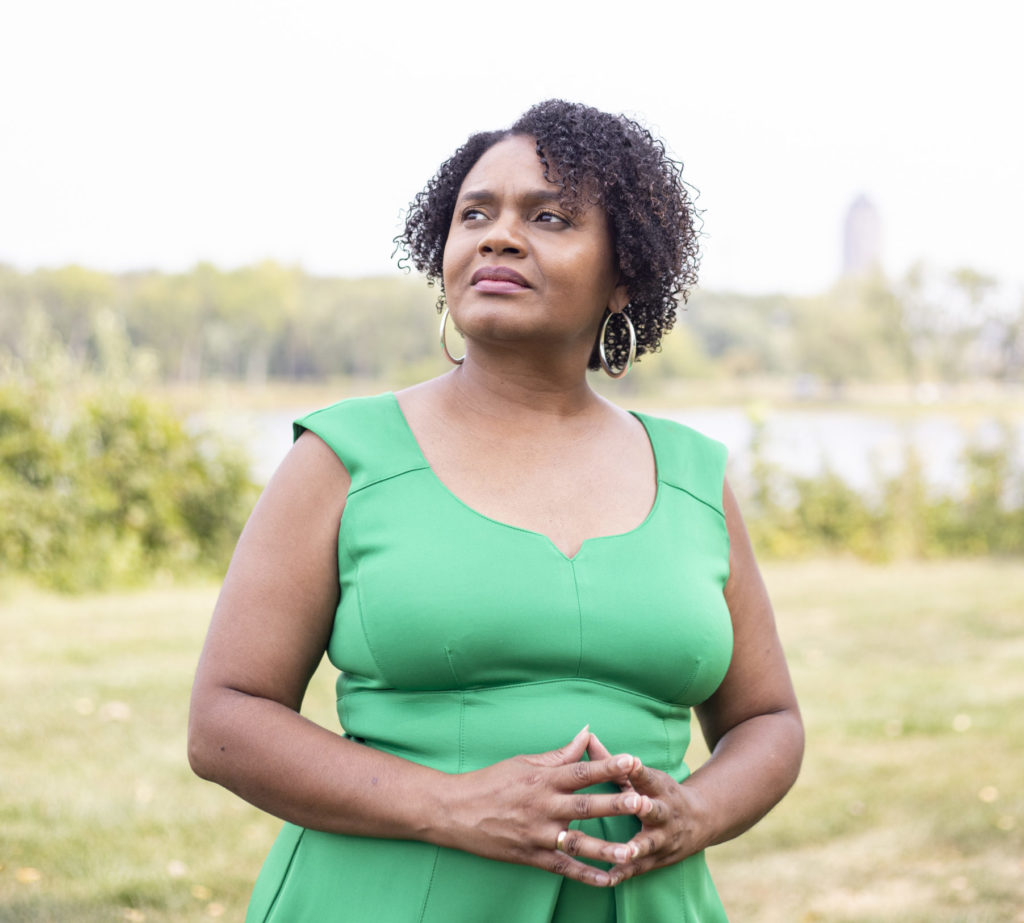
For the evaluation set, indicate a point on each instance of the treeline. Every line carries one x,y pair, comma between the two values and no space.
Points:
101,484
270,321
254,323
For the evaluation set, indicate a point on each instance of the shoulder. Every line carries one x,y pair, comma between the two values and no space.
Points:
674,433
343,418
369,435
311,481
687,459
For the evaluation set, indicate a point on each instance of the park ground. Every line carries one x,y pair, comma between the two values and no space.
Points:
909,807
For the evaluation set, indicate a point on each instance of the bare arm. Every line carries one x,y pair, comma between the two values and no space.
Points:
268,633
752,725
269,630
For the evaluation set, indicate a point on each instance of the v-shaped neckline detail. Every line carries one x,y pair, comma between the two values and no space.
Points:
507,525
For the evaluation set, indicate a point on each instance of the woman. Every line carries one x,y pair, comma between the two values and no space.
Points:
495,559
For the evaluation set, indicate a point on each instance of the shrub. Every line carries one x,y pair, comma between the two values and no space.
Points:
101,484
792,515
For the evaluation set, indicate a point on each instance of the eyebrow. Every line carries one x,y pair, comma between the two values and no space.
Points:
534,195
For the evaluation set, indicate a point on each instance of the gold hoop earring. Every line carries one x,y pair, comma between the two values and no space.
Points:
632,347
444,345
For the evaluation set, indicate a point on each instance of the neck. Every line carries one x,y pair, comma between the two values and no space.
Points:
519,387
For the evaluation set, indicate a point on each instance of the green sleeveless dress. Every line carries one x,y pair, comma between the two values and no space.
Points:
463,641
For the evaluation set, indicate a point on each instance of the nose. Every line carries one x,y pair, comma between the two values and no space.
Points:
503,235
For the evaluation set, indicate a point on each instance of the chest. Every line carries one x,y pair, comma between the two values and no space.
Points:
569,490
436,596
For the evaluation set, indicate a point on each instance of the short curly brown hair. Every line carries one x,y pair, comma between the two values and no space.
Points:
613,161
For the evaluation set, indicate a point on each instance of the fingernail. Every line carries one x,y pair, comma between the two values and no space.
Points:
632,802
624,762
586,728
622,854
634,851
601,879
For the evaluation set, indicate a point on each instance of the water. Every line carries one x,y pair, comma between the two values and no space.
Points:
857,446
862,448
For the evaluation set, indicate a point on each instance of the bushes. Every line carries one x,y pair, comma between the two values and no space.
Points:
100,484
791,515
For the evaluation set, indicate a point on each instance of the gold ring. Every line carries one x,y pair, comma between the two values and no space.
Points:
560,842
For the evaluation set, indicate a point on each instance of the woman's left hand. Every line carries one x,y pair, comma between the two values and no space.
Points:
670,815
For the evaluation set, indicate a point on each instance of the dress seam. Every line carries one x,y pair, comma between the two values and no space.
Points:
451,667
691,678
381,479
579,617
668,742
357,583
502,686
682,893
462,731
699,499
284,877
430,884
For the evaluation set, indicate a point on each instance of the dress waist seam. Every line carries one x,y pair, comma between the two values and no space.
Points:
500,687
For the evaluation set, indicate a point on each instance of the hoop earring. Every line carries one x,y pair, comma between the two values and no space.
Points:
444,345
632,347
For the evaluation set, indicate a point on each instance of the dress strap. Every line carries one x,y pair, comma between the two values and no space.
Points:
369,435
688,460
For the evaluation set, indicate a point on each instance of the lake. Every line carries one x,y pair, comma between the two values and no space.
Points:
856,445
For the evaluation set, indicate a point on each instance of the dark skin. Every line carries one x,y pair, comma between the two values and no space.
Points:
517,434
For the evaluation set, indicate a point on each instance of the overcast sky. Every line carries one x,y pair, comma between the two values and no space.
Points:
140,134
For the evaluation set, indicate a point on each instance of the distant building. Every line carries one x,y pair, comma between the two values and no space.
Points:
862,238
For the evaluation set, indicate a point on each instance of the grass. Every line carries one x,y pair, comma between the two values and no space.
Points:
910,806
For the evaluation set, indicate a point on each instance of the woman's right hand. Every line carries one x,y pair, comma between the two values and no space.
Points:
515,810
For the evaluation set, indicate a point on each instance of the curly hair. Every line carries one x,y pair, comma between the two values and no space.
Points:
598,158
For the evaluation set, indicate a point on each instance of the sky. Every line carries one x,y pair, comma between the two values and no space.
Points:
141,134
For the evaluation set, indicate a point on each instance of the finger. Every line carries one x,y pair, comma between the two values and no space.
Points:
576,843
645,844
597,750
655,789
619,873
572,752
648,810
561,863
652,810
640,854
584,805
649,781
581,774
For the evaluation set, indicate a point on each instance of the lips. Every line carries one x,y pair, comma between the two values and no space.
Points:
497,279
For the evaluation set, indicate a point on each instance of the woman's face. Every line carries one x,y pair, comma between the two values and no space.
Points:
518,265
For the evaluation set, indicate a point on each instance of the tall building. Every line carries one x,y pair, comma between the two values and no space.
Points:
862,238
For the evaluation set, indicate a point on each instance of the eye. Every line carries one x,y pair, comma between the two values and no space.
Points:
550,217
473,214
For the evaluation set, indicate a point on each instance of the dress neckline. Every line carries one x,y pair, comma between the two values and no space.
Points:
506,525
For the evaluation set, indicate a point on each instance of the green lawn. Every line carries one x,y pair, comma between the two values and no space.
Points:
910,807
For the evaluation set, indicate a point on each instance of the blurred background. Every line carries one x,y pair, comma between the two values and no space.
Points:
197,207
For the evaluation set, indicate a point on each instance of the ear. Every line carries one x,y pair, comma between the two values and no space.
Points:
619,299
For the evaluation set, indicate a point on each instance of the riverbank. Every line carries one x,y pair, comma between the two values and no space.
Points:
863,436
966,401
